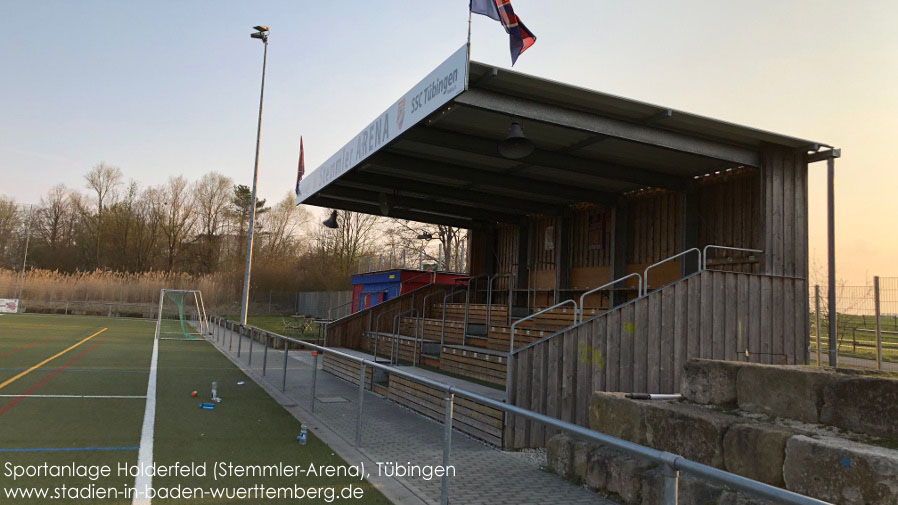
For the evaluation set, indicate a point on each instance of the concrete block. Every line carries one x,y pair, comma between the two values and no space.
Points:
610,471
841,471
756,451
862,404
580,460
559,455
615,415
710,382
790,392
690,431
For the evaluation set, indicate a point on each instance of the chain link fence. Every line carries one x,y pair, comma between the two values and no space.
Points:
856,324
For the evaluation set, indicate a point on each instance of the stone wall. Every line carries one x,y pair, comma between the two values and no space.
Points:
822,433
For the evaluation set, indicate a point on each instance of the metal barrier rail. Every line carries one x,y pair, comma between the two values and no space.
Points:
511,336
645,275
671,463
606,285
447,296
489,298
704,256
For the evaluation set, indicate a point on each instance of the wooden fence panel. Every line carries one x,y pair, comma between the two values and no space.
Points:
642,346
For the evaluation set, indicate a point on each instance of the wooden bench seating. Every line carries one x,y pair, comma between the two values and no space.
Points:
478,363
344,368
431,329
406,347
476,312
475,419
500,336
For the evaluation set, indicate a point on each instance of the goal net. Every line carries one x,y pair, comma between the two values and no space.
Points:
181,315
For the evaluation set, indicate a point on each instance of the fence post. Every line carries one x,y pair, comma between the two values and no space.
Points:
819,329
671,483
265,354
284,381
252,336
878,327
314,380
239,339
447,447
358,421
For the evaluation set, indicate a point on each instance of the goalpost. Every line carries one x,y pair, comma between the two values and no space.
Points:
181,315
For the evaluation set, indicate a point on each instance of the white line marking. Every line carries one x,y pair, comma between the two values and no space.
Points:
143,482
127,397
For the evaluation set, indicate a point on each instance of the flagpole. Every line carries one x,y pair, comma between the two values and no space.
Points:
468,57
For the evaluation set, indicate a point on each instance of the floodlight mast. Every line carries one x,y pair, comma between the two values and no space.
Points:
261,34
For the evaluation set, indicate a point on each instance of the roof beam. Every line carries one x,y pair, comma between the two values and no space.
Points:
634,132
447,193
371,197
534,188
364,208
584,166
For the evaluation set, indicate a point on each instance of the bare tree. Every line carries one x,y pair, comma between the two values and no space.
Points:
280,225
177,219
103,180
212,195
354,238
10,220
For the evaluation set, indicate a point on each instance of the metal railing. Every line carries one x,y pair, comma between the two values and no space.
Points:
531,316
489,298
645,274
397,321
704,256
447,296
377,327
468,302
331,310
607,285
671,463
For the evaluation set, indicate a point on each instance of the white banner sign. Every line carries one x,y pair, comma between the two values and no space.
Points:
9,305
435,90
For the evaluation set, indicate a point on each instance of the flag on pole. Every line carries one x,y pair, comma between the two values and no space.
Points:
520,37
302,165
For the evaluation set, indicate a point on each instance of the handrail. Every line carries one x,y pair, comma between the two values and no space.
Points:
396,329
377,327
331,309
531,316
645,275
468,304
489,297
711,246
603,286
671,463
454,291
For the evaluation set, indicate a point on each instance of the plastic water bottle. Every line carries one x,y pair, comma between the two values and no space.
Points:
214,390
303,435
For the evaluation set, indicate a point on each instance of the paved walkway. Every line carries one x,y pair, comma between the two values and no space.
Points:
391,433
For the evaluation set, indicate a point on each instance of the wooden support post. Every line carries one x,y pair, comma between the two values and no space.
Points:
523,273
563,251
690,227
618,248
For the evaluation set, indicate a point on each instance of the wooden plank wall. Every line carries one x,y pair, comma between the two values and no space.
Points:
542,258
347,332
506,248
784,190
591,248
642,346
654,226
731,216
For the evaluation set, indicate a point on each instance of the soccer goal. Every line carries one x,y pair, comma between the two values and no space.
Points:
181,315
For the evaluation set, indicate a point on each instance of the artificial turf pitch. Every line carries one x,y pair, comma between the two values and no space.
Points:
247,428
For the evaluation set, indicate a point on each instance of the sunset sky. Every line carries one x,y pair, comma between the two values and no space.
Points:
165,88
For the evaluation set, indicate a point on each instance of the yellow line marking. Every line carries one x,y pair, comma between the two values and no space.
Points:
44,362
